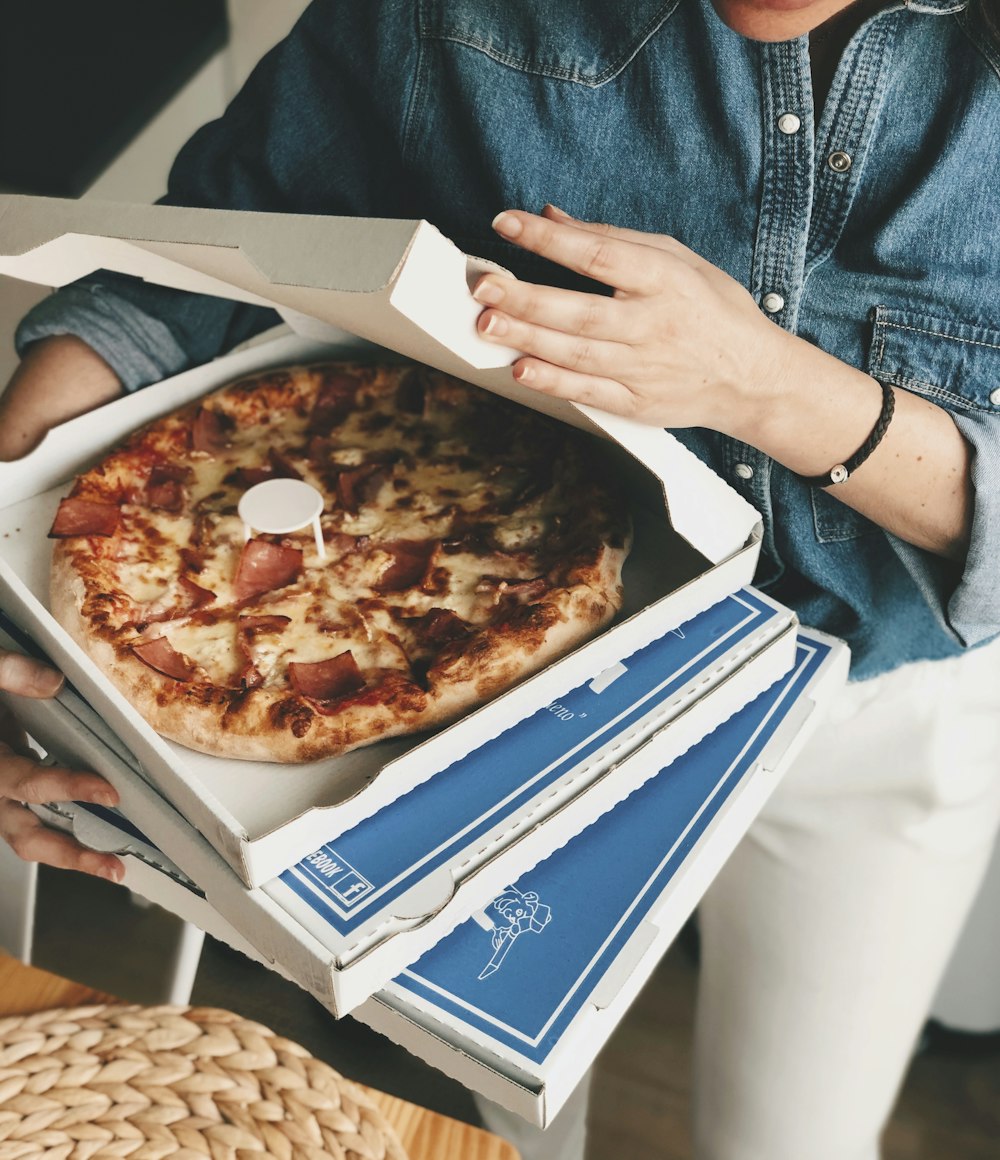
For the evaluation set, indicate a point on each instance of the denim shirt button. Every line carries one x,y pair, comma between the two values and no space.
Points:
772,302
744,470
788,123
840,161
995,397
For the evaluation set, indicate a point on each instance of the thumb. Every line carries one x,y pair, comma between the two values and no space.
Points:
27,677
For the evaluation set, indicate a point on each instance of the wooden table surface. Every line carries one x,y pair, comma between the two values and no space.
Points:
425,1135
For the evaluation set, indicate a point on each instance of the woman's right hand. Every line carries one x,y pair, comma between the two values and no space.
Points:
23,779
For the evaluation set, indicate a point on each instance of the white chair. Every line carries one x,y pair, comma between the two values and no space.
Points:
18,888
18,895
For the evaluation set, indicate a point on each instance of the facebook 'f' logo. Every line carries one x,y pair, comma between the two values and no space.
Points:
325,868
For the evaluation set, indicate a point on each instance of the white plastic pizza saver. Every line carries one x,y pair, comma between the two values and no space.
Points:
278,506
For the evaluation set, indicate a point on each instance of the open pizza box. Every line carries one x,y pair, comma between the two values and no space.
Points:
517,1001
365,904
341,283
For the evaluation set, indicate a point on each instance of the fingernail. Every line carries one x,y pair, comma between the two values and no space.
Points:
105,799
488,293
524,373
507,225
559,213
496,325
112,873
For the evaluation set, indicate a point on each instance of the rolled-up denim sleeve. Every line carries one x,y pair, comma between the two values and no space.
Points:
966,598
144,333
139,348
296,139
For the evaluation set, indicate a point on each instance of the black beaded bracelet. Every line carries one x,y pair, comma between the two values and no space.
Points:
843,471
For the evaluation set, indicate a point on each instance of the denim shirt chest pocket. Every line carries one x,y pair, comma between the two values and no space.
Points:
581,41
955,365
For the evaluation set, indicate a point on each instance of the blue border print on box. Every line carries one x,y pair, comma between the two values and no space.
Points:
381,858
551,936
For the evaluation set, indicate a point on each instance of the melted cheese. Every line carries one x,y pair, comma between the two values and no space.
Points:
335,604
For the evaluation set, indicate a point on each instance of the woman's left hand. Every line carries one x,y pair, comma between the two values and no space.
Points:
680,344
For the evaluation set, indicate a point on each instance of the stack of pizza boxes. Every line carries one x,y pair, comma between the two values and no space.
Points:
493,895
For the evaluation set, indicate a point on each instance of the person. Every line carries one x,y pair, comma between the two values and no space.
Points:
770,227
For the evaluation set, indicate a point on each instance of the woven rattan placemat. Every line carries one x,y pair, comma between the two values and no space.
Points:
86,1083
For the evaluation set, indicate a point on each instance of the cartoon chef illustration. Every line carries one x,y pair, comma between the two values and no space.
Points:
518,913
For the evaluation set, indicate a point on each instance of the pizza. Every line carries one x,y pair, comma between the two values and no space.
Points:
466,542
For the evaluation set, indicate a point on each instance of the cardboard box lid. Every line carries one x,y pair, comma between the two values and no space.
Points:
400,284
532,986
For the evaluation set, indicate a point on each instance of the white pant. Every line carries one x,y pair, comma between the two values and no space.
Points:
825,934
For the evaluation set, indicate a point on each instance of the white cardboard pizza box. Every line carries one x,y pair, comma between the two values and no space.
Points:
405,286
517,1002
351,914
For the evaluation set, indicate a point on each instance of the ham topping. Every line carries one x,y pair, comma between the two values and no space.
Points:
439,626
251,626
318,448
326,680
340,544
359,484
190,597
264,566
210,430
409,562
168,496
249,676
85,517
249,476
196,595
192,559
334,402
163,488
277,467
159,654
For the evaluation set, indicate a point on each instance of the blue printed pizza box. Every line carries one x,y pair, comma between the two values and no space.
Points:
517,1001
379,894
520,998
339,283
371,900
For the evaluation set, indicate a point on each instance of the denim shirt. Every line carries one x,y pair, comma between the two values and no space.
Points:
872,233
